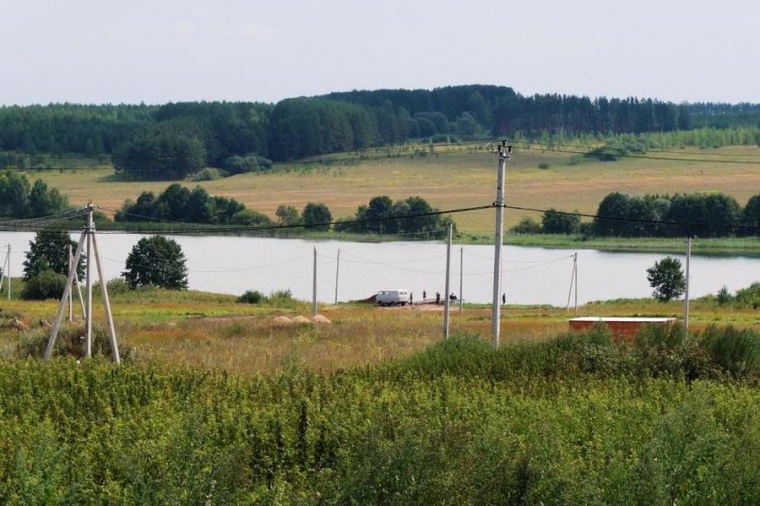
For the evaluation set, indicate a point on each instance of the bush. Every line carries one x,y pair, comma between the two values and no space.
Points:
527,226
724,296
735,351
251,297
544,166
208,174
45,285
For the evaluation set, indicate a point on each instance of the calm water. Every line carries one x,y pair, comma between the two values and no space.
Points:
529,275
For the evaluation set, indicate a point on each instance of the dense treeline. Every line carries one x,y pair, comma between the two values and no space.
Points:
670,421
680,215
141,136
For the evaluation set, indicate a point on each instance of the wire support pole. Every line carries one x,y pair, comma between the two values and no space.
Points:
88,236
447,298
505,153
686,291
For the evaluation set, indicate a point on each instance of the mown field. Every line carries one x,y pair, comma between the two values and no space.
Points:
452,180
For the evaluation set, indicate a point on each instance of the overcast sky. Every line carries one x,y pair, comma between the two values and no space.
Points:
158,51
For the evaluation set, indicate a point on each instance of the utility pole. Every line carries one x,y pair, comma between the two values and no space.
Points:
461,283
505,153
573,283
314,286
447,301
337,271
88,234
686,292
5,272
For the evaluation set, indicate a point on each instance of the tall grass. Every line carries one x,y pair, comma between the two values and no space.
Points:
458,423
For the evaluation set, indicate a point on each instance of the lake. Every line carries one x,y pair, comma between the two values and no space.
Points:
529,275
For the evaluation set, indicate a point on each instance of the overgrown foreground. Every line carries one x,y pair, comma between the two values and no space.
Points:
575,420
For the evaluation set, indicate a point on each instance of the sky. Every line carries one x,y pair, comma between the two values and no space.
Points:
159,51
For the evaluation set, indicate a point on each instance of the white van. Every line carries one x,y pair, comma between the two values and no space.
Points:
398,297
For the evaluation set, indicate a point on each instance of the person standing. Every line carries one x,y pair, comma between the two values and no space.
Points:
437,297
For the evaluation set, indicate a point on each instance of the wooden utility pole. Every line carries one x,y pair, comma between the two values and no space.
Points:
88,235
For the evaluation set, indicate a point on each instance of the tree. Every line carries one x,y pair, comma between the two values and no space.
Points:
667,279
556,222
156,261
317,217
287,215
49,251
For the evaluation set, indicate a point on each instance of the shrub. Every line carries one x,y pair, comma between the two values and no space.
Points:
527,226
251,297
43,286
208,174
544,166
735,351
724,296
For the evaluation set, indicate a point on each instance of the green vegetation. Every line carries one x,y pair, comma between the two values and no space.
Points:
667,278
575,419
177,139
20,200
156,261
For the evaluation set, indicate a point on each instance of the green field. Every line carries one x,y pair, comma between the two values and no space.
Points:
452,180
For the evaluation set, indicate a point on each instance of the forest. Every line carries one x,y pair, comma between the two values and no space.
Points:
172,140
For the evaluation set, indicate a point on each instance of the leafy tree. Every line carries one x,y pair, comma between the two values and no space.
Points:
156,261
45,285
44,202
14,194
49,251
287,215
750,219
667,279
316,216
555,222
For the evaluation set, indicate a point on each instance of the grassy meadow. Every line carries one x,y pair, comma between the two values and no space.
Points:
217,403
452,178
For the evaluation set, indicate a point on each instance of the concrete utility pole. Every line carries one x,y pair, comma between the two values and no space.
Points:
337,271
461,276
314,286
505,153
5,272
447,301
573,283
686,292
88,234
